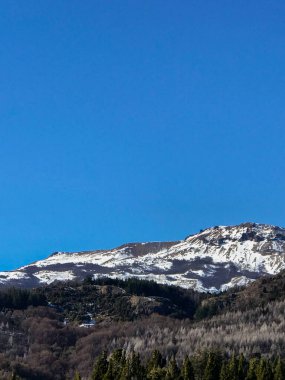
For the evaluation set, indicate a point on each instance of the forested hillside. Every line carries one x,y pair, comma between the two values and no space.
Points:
52,332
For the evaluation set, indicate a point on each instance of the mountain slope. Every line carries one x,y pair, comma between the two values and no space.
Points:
44,334
214,259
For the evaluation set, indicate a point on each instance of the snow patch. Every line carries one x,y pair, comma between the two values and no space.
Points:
48,277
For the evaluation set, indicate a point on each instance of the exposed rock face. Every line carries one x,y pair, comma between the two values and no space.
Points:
212,260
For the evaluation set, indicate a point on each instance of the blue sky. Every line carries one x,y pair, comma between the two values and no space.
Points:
137,120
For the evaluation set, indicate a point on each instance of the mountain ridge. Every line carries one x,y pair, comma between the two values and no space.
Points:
215,259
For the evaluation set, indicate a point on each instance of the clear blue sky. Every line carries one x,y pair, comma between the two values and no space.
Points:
137,121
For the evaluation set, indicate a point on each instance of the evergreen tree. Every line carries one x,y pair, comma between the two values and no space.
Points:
101,367
126,371
116,364
263,370
233,368
199,363
172,371
279,370
133,369
77,376
187,371
252,368
224,373
213,367
156,373
109,375
241,367
137,369
156,361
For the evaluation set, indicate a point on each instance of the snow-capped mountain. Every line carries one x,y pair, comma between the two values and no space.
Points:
214,259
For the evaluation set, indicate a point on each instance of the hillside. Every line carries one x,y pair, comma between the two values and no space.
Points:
44,334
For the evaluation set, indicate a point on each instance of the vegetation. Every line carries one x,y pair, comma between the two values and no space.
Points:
41,337
15,298
212,365
121,300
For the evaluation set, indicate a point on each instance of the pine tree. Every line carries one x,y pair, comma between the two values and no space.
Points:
233,368
199,363
224,373
109,374
263,370
126,371
77,376
101,367
116,364
213,367
156,373
241,367
156,361
187,371
137,369
172,371
279,370
133,369
252,368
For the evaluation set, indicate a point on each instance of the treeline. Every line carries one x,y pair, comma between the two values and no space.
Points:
205,366
212,365
16,298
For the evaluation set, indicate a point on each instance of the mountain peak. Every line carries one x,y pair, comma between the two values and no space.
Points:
214,259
